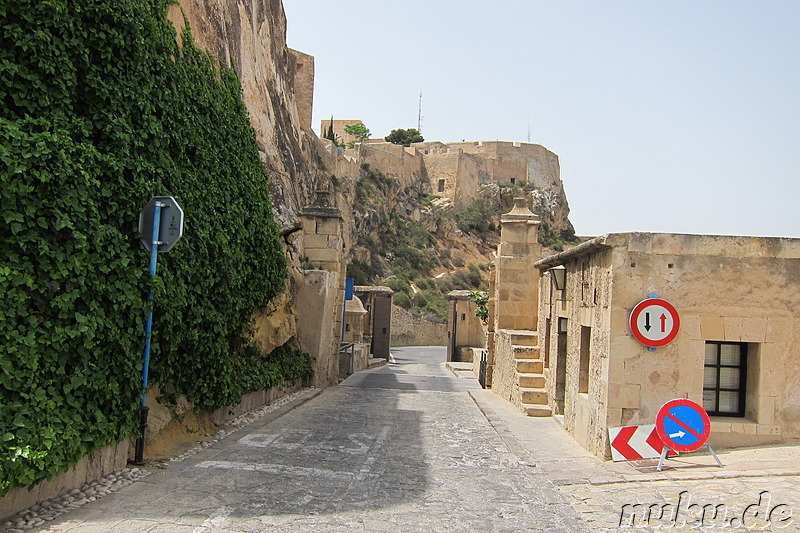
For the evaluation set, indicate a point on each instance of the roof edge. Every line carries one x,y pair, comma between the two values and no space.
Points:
585,248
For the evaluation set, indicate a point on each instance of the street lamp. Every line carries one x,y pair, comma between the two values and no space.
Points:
559,277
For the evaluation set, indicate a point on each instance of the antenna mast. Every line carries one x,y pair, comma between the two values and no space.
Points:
419,116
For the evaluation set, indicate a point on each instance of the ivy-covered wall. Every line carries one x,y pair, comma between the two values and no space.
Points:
100,111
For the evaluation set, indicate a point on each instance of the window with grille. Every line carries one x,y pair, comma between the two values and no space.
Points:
724,378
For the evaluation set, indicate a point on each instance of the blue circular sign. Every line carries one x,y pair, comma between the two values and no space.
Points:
683,425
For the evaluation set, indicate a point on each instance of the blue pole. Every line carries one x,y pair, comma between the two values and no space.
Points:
143,409
150,304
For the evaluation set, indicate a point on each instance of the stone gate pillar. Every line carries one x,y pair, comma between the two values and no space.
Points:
516,281
320,299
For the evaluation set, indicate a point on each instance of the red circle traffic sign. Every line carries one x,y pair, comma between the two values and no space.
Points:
683,425
654,322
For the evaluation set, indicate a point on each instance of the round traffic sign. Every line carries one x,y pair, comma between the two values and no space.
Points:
654,322
683,425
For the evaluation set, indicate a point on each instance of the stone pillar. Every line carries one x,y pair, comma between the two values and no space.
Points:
516,280
320,299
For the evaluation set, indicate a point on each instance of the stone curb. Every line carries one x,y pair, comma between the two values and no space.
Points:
48,510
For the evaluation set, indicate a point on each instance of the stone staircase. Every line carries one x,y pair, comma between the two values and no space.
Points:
530,381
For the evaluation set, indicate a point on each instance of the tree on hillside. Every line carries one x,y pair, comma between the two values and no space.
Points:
405,137
359,131
329,134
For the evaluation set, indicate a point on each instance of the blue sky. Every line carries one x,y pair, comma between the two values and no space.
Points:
674,116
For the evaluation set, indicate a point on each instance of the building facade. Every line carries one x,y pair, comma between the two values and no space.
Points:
734,353
465,331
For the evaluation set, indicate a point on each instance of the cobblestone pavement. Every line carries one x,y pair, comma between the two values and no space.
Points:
404,447
756,490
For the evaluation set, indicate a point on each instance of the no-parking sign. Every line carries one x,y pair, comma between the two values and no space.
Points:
683,425
654,322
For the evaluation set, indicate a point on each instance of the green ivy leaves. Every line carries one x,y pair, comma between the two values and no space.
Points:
100,111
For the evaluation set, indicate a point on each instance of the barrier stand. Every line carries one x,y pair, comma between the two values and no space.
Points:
666,449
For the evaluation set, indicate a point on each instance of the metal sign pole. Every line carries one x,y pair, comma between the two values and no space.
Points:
143,409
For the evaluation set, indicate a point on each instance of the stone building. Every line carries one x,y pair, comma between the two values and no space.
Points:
738,305
465,331
734,353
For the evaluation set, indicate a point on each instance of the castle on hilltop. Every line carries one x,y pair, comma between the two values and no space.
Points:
457,170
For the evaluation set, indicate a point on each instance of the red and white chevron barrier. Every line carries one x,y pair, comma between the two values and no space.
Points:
629,443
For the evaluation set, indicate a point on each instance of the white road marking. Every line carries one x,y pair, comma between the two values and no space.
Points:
367,466
300,440
300,471
217,519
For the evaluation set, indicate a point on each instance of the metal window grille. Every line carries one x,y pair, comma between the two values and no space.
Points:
724,378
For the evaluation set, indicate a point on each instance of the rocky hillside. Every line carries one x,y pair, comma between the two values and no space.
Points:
399,230
424,245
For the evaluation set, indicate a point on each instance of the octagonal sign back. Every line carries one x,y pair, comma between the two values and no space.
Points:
170,225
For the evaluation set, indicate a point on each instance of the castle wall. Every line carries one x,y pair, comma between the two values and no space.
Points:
456,170
409,329
395,161
303,77
338,129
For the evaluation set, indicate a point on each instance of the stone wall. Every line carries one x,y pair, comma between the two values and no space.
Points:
251,38
588,295
320,296
338,129
504,373
522,162
454,174
393,160
463,167
91,467
303,82
411,330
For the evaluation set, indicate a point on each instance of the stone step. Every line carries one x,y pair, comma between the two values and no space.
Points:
525,338
533,396
531,381
530,366
537,410
525,352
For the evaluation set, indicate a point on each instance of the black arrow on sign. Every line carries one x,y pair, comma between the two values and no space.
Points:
647,321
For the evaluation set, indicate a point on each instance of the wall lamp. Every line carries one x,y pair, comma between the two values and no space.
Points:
559,274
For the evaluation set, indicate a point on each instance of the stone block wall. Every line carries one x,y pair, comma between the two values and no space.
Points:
411,330
504,371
